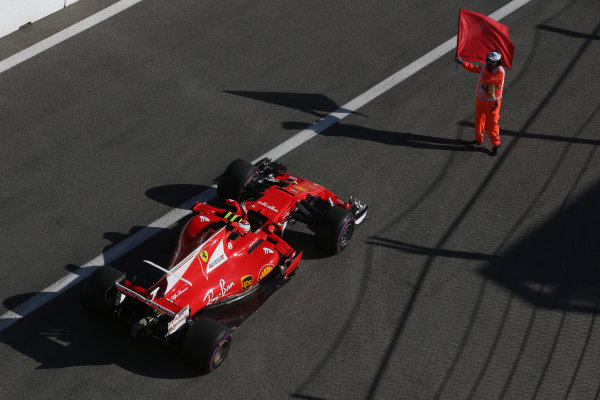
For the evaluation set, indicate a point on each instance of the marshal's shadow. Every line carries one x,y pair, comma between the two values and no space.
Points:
314,104
321,106
404,139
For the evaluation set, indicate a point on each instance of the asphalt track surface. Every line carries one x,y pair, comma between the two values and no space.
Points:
474,277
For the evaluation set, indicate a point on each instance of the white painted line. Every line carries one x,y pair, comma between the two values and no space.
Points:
508,9
176,214
380,88
65,34
71,279
361,100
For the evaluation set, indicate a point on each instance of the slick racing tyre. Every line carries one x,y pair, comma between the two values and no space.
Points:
335,229
236,179
206,344
99,293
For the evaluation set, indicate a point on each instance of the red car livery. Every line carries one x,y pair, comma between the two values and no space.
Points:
227,261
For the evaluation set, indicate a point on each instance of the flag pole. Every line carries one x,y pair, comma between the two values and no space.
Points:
456,51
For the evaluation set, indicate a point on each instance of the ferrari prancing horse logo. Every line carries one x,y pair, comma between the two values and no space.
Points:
204,255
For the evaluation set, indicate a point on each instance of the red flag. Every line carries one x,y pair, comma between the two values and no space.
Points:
478,35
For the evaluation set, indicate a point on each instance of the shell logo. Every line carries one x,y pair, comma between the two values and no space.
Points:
204,255
265,271
300,188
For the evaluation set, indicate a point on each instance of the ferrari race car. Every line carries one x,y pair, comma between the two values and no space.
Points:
227,260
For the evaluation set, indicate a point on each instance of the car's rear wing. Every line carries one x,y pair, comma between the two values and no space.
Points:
143,295
179,318
139,293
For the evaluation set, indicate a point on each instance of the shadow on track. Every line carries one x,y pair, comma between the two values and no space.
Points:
174,195
539,136
61,334
311,103
320,106
554,268
404,139
557,266
566,32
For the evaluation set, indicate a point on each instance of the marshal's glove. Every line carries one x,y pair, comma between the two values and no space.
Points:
459,60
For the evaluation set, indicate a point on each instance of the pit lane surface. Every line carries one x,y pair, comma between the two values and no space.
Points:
474,276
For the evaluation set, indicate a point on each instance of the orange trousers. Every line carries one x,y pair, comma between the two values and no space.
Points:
487,119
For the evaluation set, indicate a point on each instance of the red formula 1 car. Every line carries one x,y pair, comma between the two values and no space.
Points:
227,260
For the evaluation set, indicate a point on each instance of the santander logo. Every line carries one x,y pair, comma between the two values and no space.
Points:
268,206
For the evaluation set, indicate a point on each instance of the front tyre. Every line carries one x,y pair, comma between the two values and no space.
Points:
335,230
206,344
235,180
99,293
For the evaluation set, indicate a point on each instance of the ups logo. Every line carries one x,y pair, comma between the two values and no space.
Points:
246,282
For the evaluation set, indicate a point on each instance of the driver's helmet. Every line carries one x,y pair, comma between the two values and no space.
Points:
244,225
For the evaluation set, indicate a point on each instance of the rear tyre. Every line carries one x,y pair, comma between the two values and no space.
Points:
206,344
99,293
236,179
335,229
